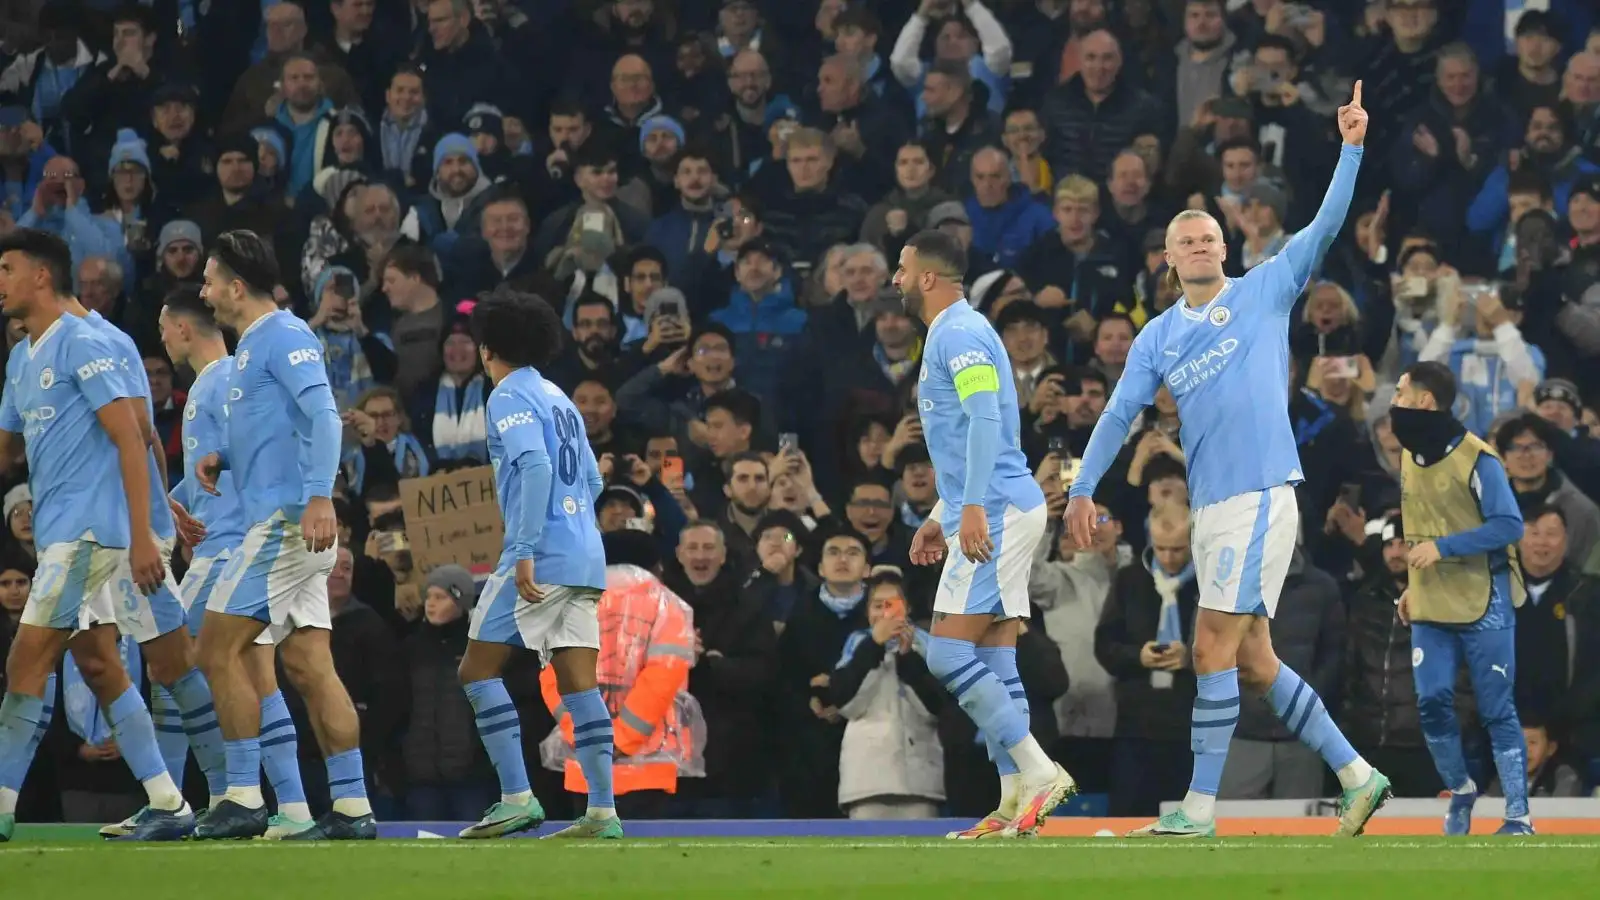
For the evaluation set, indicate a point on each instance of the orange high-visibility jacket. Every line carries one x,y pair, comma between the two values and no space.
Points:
646,651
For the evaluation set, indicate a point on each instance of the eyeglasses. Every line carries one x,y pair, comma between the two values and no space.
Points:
1530,447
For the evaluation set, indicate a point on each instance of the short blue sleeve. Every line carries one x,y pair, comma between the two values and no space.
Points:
295,361
96,370
10,419
517,423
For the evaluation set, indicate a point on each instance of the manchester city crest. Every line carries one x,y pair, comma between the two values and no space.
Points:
1220,315
47,378
244,360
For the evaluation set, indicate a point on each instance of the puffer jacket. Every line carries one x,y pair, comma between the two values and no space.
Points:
440,746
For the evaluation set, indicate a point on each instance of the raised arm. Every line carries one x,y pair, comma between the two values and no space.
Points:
1292,268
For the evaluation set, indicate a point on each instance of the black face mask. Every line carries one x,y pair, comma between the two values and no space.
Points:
1426,433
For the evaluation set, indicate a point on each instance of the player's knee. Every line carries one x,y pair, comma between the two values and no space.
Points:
1436,704
947,657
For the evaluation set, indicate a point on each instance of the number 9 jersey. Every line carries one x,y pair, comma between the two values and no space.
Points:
549,514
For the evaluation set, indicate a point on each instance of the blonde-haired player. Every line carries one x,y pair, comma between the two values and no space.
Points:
1222,351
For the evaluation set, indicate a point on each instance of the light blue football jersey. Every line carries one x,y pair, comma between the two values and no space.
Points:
283,430
133,370
54,388
205,423
1227,365
962,358
532,424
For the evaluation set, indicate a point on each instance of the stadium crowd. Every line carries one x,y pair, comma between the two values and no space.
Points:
714,195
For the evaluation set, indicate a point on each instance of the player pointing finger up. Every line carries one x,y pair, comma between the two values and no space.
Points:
1353,119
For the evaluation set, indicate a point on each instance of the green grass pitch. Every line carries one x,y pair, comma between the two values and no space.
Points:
1551,868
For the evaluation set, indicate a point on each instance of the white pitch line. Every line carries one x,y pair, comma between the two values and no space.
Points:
1044,845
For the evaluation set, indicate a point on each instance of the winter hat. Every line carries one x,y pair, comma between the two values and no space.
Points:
15,498
454,144
781,107
1559,389
485,118
1267,194
178,230
660,123
631,547
128,148
240,142
455,581
331,184
273,138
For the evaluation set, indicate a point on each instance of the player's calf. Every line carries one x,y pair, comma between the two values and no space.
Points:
308,662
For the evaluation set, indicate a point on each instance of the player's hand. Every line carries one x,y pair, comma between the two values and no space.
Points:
207,471
927,545
1423,555
1082,521
145,558
192,530
976,544
1353,119
318,525
1402,607
527,588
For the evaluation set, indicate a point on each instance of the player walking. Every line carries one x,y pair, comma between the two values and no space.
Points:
282,445
545,592
1223,352
80,420
190,334
181,704
990,518
1458,509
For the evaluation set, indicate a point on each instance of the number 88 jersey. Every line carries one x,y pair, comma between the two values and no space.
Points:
532,424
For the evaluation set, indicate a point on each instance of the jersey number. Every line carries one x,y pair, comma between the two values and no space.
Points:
568,430
1224,563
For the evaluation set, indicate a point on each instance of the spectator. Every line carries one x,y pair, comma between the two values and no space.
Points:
1004,217
1498,347
447,775
595,173
113,94
806,213
1090,117
955,126
735,664
1143,640
448,416
959,39
891,765
60,208
904,210
460,64
263,87
454,204
387,451
1548,775
1536,482
809,727
762,317
406,135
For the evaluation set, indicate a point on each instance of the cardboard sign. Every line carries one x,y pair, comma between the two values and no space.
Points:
454,518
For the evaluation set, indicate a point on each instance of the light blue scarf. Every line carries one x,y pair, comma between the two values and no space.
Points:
460,430
409,460
84,715
841,606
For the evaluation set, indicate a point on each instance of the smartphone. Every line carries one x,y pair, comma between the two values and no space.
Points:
1343,367
594,221
388,541
788,443
344,285
1162,647
1069,471
894,608
1350,495
662,307
725,229
1413,286
1057,445
785,129
672,470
